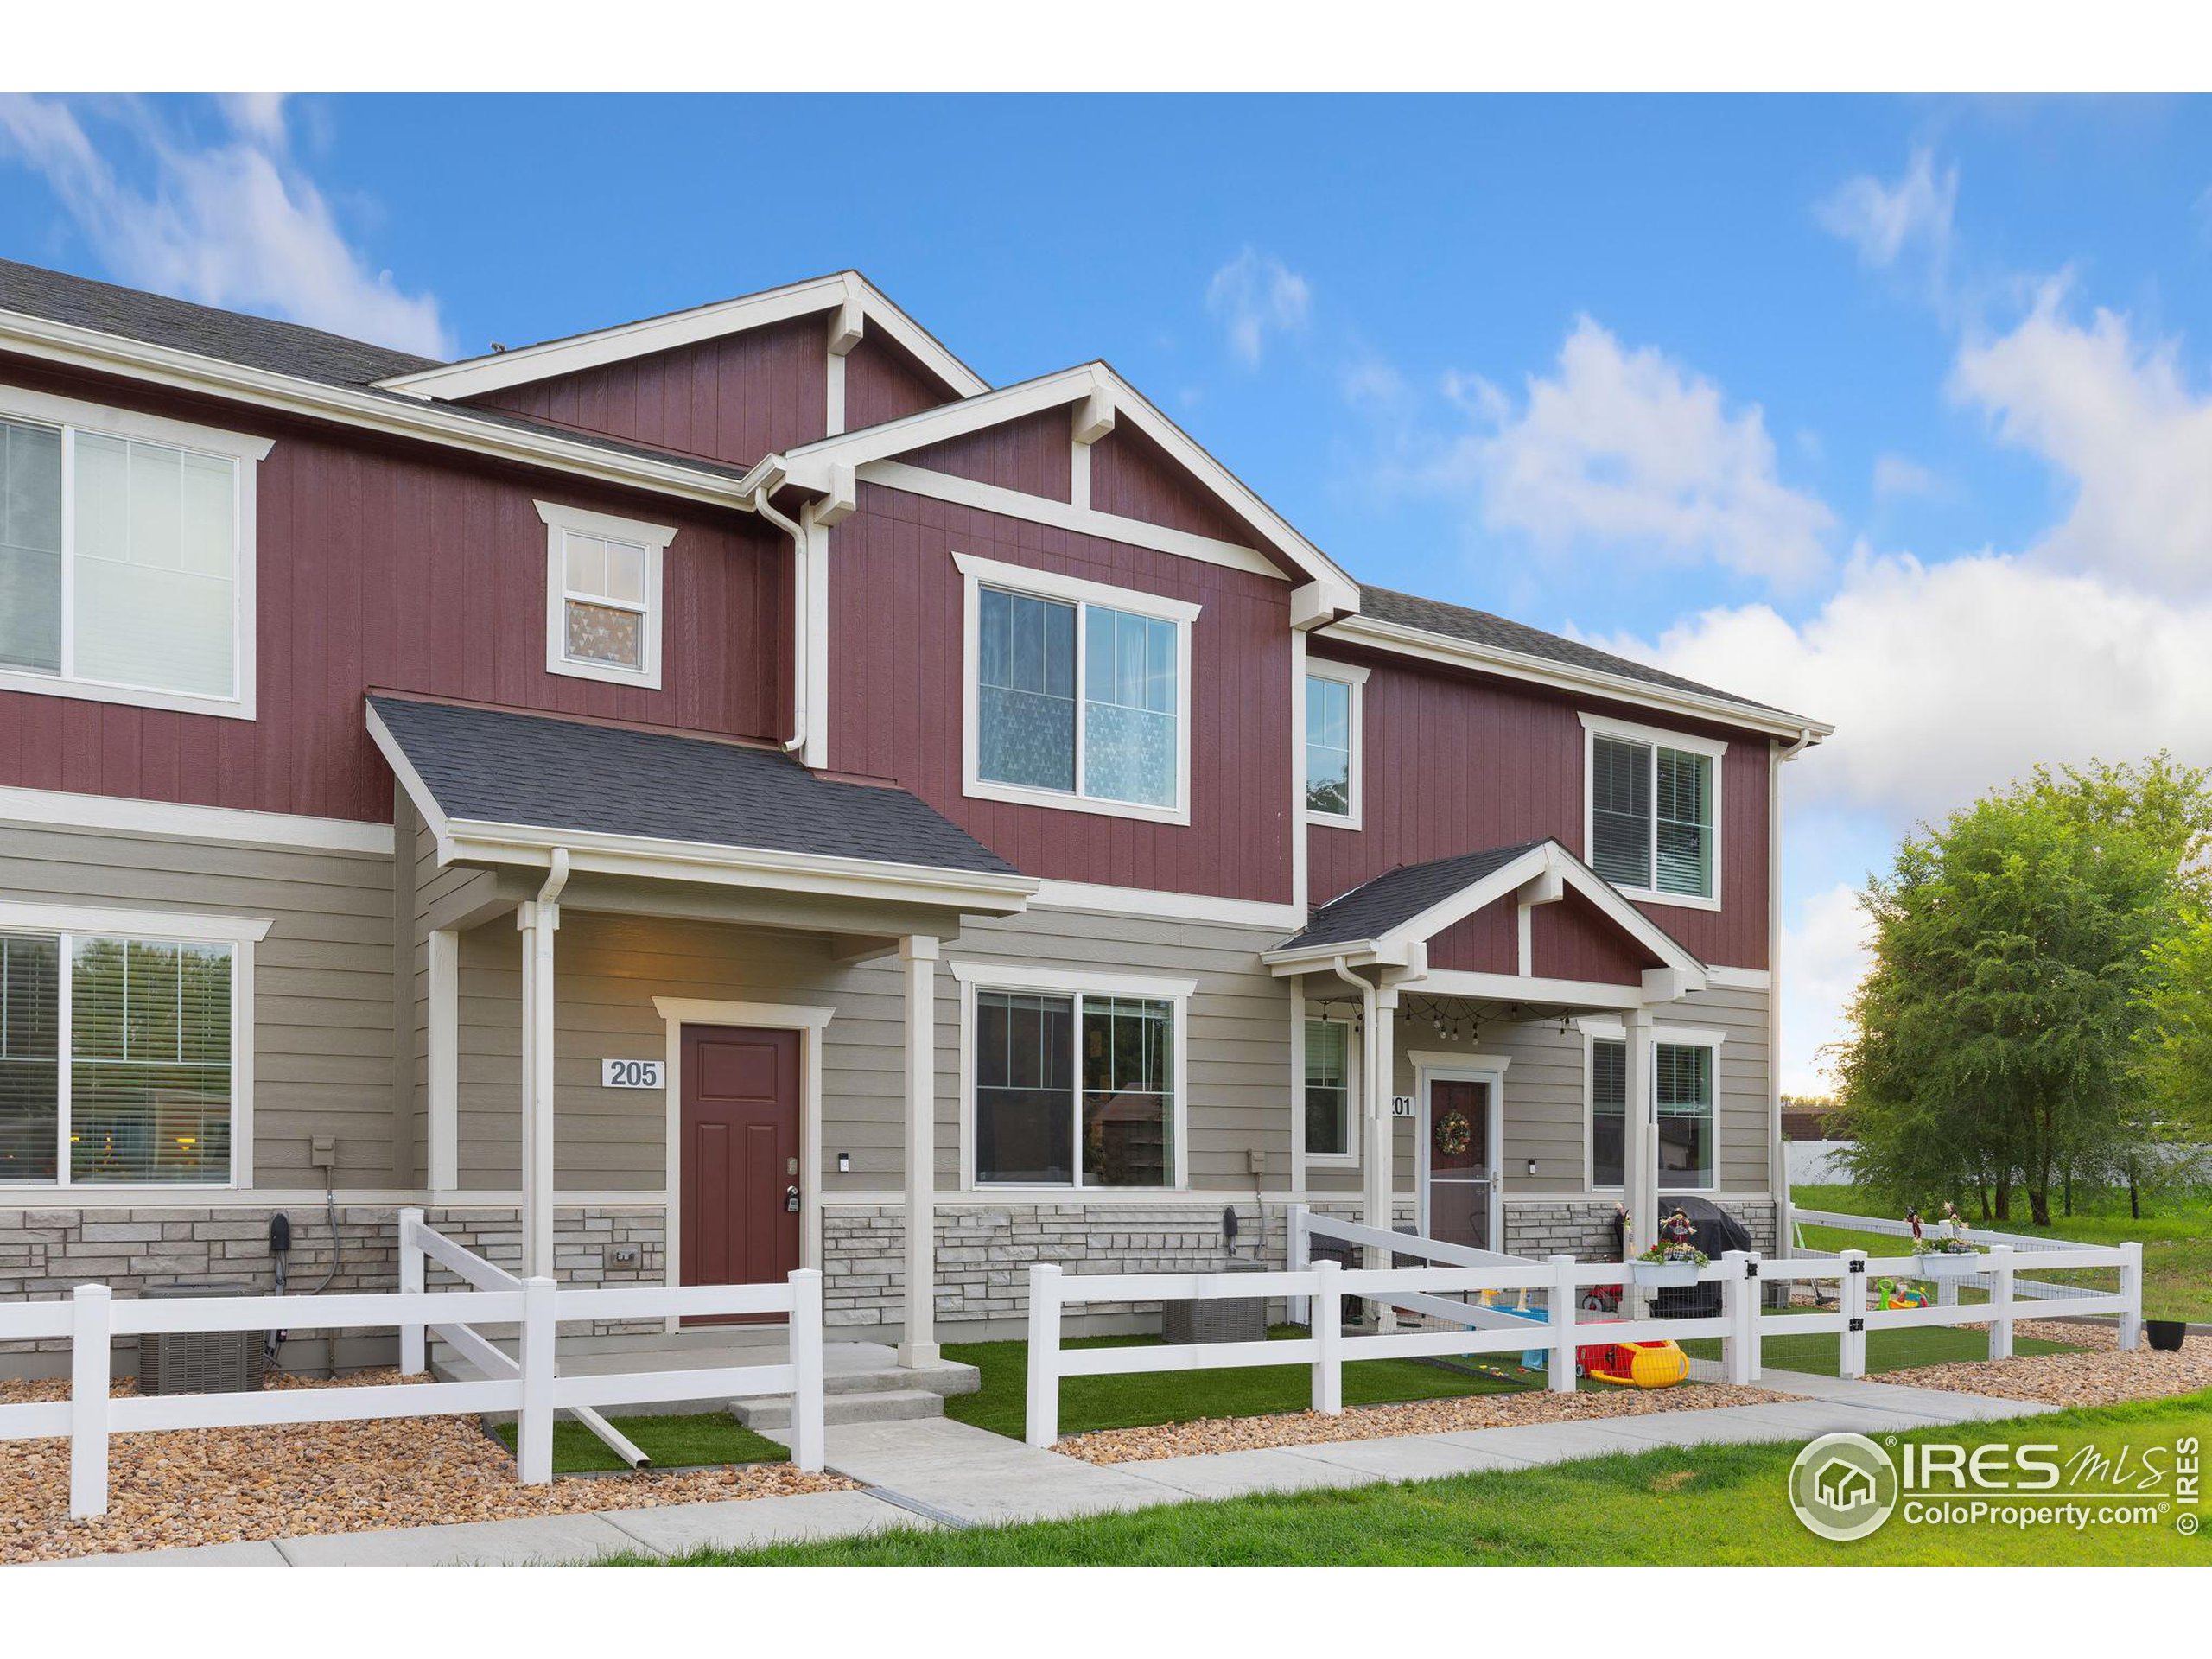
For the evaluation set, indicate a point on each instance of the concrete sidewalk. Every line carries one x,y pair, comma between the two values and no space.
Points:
934,1471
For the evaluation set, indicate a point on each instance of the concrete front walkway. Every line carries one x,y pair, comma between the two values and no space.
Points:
938,1472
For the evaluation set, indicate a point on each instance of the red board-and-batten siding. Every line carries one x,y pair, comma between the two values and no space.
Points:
1453,762
733,399
897,696
415,569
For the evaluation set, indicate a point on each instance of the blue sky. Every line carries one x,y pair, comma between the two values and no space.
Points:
1889,410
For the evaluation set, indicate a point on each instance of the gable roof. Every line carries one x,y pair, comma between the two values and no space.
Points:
506,786
1390,919
1098,386
858,300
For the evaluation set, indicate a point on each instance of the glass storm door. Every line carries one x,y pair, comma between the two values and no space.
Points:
1459,1162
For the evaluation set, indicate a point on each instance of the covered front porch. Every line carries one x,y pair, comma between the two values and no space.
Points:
630,950
1498,1001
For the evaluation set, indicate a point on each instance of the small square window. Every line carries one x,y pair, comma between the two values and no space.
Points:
603,597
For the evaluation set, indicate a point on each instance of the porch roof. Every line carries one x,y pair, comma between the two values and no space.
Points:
504,786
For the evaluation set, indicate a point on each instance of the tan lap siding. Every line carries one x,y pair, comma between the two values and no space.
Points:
322,1015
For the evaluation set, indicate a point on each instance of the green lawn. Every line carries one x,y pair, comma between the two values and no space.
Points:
2177,1243
1089,1402
671,1442
1708,1504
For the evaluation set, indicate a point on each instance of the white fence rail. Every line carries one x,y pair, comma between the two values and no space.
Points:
530,1386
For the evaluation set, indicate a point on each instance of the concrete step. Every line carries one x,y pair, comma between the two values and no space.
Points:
945,1377
771,1413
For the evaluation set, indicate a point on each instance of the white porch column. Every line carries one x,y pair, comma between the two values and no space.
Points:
539,921
918,955
442,950
1639,1134
1377,1159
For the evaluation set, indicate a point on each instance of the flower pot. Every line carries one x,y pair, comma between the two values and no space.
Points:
1653,1275
1950,1264
2166,1335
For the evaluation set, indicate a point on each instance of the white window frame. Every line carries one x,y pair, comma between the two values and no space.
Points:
1597,726
72,416
560,523
241,934
1347,674
1039,979
1348,1159
1611,1031
977,573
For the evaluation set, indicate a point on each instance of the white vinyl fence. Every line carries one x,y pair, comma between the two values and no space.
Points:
1517,1305
531,1386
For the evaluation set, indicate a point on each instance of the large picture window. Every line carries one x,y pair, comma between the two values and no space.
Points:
126,556
1682,1081
1653,812
1077,694
1076,1090
117,1059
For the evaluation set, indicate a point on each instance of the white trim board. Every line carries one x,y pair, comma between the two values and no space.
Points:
573,354
1149,902
1043,510
61,810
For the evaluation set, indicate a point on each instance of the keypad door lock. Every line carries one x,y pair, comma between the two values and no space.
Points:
791,1201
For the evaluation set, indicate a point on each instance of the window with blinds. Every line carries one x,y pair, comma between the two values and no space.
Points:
1328,1088
1682,1078
1652,823
128,1079
1608,1111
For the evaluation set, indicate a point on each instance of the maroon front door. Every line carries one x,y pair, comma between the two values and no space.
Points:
740,1155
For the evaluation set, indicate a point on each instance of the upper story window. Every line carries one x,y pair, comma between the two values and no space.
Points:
126,556
122,1053
1332,745
1077,694
603,595
1652,799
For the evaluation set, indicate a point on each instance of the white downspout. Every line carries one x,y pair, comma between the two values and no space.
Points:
802,610
1778,1155
1372,1095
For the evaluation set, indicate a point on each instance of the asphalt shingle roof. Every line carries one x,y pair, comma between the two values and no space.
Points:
1372,909
1458,621
489,765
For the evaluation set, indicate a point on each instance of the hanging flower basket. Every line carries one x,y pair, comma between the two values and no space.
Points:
1668,1264
1949,1264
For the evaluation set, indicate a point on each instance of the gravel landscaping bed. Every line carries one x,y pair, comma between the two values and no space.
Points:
2103,1376
216,1486
1381,1422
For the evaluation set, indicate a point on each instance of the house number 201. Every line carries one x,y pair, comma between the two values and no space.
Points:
630,1074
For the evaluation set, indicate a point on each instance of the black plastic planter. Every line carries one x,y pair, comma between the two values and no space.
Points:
2165,1334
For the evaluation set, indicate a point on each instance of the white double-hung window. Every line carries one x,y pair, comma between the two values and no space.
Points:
1077,694
1332,745
126,556
603,595
1652,822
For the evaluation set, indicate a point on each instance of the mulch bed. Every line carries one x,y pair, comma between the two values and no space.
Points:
2103,1376
1382,1422
218,1486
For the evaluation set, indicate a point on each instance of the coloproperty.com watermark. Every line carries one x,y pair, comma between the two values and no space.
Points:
1846,1486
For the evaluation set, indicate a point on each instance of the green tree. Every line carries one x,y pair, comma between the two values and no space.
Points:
1996,1039
2177,1047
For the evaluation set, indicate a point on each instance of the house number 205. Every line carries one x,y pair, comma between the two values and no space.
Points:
630,1074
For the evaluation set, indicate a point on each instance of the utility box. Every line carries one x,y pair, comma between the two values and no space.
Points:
1229,1318
199,1361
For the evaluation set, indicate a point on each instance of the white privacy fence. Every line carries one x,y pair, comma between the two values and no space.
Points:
531,1385
1517,1305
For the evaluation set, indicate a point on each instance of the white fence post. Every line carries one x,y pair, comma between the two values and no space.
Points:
1298,1255
1566,1300
1042,1421
2000,1297
90,1331
807,1433
534,1426
1754,1310
1739,1291
1851,1298
1328,1327
2131,1289
413,1362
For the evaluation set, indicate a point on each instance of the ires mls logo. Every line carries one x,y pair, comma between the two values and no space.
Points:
1843,1486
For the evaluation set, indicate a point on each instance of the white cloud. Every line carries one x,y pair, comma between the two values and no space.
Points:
2120,418
1898,476
1884,221
1255,295
232,223
1946,680
1630,451
1824,956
